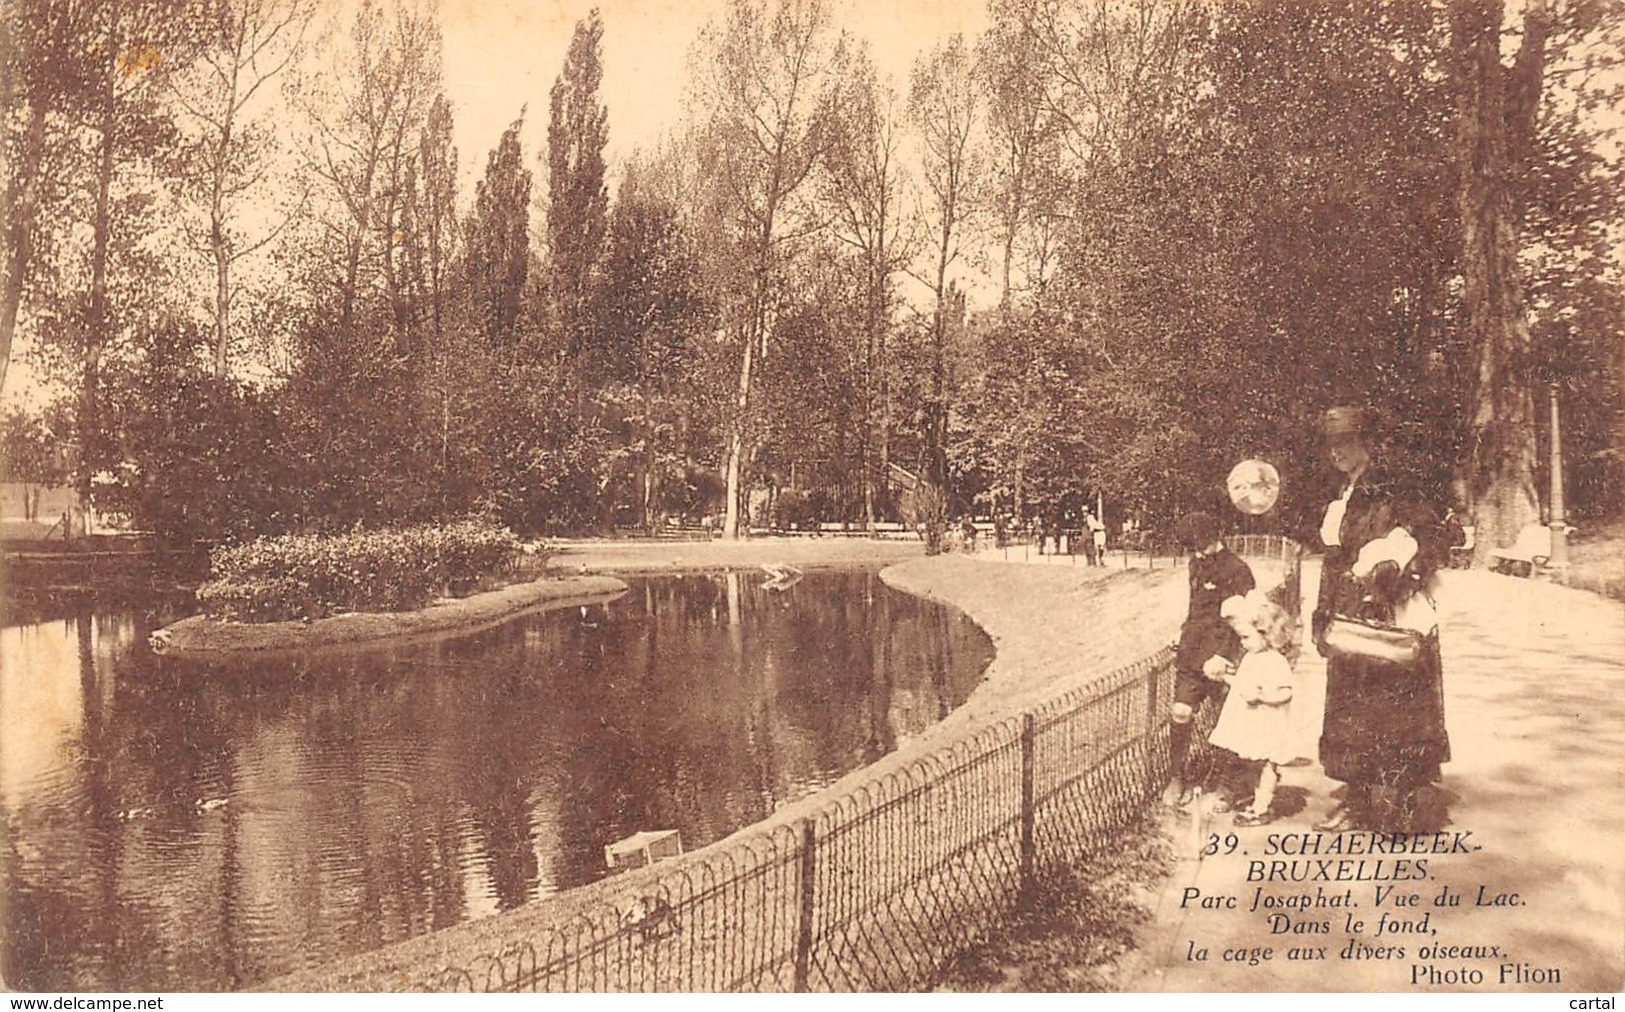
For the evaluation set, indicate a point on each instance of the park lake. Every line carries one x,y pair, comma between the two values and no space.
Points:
175,825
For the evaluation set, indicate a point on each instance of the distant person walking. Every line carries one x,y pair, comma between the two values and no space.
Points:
1208,646
1384,732
1097,534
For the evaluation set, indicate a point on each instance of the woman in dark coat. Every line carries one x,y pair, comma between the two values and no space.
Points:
1384,732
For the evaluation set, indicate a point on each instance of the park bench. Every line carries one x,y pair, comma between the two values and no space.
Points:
643,848
858,529
843,529
1531,550
1461,556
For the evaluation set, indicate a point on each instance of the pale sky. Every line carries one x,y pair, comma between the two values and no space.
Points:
501,55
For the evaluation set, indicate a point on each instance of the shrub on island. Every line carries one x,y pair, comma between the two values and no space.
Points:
310,576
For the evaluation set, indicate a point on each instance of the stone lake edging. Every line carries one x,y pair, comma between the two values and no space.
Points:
204,637
1053,628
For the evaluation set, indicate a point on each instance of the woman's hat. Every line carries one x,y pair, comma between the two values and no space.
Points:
1342,420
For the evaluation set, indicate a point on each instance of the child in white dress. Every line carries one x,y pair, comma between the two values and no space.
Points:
1256,722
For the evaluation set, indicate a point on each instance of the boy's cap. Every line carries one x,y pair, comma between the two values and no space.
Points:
1342,420
1196,530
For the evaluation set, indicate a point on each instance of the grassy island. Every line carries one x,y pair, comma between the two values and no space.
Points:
204,636
302,591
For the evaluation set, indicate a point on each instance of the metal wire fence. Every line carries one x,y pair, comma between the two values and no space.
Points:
871,892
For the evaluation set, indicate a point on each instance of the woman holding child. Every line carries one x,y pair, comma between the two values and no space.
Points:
1384,732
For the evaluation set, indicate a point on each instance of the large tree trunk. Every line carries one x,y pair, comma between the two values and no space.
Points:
865,429
733,475
398,239
1010,227
885,423
219,248
1501,464
362,212
1004,268
437,315
221,251
647,427
97,319
1021,485
936,461
222,297
755,333
22,199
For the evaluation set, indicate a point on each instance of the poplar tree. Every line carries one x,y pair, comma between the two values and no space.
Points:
498,240
578,200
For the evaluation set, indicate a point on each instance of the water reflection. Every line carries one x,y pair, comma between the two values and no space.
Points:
180,826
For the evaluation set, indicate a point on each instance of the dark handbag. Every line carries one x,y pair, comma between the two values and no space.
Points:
1371,641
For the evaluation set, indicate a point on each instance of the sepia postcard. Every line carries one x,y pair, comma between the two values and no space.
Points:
813,495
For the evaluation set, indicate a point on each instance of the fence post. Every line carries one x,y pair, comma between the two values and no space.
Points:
1027,740
804,924
1292,575
1152,678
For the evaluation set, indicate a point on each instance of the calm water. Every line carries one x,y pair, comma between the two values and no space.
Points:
171,826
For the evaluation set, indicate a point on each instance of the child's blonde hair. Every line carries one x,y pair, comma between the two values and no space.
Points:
1257,611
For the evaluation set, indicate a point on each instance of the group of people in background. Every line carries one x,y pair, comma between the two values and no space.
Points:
1382,732
1051,533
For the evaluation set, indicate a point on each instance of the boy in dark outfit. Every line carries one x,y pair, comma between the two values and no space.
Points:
1207,644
